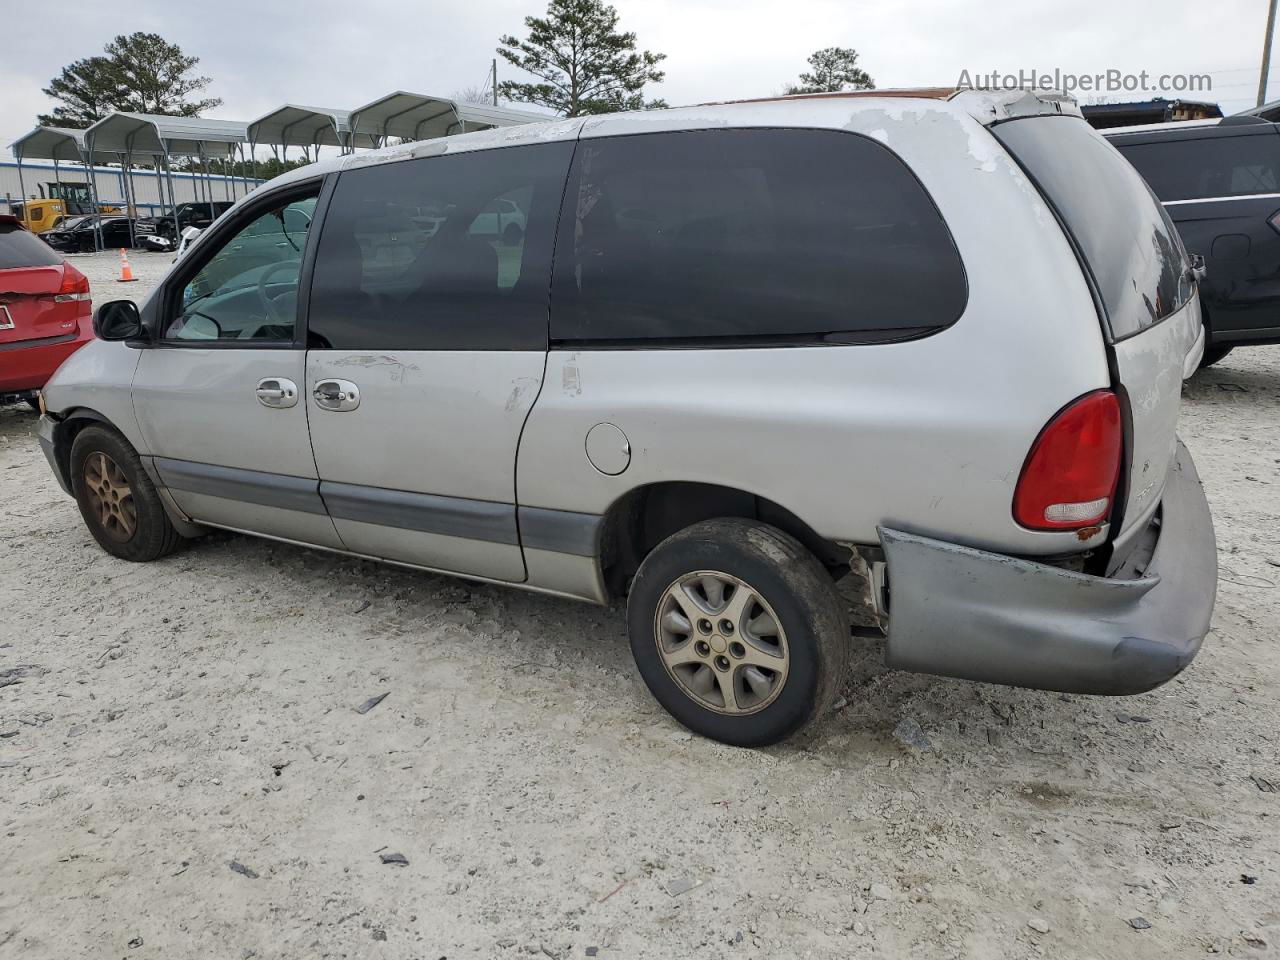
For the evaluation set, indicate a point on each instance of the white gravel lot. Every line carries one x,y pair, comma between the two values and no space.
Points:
173,719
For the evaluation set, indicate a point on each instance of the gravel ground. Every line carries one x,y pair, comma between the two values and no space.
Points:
184,771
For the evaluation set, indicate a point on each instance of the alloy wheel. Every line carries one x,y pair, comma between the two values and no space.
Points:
110,497
721,642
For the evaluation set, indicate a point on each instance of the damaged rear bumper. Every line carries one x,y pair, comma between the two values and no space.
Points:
966,613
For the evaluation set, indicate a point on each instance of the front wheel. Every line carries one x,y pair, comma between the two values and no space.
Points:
738,631
117,499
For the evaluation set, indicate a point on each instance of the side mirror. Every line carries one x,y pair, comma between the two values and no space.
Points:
190,233
118,320
1198,269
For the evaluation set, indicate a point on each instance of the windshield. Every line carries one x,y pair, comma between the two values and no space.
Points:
1123,234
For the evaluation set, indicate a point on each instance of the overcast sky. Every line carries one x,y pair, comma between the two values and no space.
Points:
263,53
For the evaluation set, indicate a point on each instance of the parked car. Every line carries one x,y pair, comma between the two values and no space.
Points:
198,215
189,235
80,234
778,339
501,218
45,311
1219,181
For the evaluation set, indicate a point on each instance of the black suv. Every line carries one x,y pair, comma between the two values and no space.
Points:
199,214
1220,184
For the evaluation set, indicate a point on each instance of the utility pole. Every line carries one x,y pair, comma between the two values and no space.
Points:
493,82
1266,53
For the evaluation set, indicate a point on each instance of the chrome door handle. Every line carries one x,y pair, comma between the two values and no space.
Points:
277,392
337,395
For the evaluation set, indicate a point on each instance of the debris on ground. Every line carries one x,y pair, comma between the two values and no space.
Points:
12,675
399,859
679,885
1140,923
1038,924
372,702
1132,718
240,868
909,733
880,891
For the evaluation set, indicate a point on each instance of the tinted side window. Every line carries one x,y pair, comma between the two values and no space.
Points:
247,290
442,253
1209,167
767,234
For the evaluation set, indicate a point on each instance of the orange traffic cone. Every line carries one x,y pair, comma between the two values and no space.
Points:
126,272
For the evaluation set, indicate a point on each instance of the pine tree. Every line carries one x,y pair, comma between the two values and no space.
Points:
583,64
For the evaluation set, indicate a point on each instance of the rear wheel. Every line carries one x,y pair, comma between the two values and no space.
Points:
738,631
117,499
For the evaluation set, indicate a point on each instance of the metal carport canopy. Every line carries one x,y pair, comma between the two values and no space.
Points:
417,116
480,116
51,143
156,135
297,126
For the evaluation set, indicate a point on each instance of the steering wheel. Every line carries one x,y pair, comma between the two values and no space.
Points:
267,302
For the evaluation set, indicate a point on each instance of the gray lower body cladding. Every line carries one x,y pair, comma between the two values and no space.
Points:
966,613
251,486
559,531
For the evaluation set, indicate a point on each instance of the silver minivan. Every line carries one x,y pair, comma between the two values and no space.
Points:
713,359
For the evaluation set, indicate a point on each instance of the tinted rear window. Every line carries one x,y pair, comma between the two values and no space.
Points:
1124,235
1209,167
21,248
777,235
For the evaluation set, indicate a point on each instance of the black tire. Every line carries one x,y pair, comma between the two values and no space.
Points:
804,601
1212,354
152,535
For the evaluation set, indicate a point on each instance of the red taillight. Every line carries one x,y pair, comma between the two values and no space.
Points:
1069,478
75,285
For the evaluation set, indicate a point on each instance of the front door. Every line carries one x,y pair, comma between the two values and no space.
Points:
427,338
219,396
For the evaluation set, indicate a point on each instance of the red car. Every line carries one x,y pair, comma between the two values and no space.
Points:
45,311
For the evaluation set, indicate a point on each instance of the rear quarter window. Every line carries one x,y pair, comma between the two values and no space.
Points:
762,235
1206,167
21,248
1127,242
